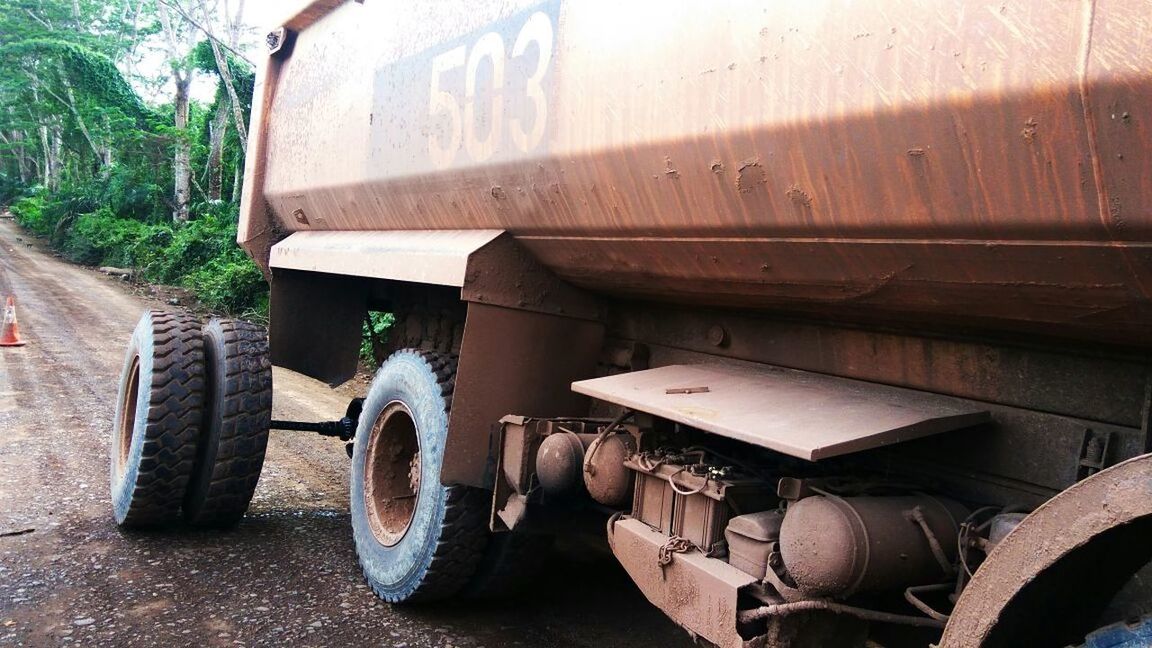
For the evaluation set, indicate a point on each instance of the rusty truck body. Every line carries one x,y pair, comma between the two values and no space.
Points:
837,314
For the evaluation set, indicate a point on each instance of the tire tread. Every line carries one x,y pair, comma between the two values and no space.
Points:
220,493
175,400
1122,635
464,532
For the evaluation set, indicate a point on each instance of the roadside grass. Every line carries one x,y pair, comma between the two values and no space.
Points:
200,255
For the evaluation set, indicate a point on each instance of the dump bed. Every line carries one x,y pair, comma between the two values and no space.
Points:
976,165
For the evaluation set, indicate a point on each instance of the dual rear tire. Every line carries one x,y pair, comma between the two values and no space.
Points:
191,423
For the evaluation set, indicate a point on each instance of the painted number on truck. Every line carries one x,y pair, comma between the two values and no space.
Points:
502,97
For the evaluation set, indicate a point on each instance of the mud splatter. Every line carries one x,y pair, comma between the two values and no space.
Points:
750,175
799,197
1029,131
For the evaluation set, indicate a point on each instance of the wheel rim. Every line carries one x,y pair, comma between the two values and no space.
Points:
1080,542
392,474
128,417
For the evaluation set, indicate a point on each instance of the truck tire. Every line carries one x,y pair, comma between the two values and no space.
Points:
237,413
1122,635
416,539
1064,565
157,422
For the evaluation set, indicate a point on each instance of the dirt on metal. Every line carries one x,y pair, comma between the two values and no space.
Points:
1087,535
976,166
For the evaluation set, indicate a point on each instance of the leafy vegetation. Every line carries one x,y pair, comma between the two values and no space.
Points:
109,178
201,255
373,347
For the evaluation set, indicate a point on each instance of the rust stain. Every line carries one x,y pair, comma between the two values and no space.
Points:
1063,206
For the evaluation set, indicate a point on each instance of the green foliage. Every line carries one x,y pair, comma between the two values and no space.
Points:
9,188
193,245
377,327
102,238
88,72
87,164
132,191
29,213
231,283
201,255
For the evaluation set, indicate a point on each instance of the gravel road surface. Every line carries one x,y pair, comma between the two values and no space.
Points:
286,576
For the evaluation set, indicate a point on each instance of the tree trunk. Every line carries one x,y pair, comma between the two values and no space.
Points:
237,179
181,161
226,72
53,140
182,76
14,140
217,129
108,147
70,100
51,165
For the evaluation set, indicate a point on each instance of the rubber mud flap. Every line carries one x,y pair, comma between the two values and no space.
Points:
157,421
237,414
416,539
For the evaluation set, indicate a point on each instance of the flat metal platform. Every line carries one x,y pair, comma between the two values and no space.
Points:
420,256
802,414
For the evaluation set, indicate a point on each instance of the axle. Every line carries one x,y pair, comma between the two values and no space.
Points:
344,429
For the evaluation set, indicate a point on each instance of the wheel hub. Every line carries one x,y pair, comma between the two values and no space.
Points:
128,420
392,474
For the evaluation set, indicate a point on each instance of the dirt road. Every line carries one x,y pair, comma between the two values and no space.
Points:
286,576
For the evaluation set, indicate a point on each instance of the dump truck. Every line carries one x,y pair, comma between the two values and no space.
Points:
831,319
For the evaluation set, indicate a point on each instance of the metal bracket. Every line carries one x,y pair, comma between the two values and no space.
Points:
793,489
280,42
1093,453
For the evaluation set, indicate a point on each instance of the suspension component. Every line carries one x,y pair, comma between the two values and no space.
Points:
344,429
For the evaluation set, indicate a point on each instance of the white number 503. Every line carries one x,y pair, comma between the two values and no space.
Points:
462,125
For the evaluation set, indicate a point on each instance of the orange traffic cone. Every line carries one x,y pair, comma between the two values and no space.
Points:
10,334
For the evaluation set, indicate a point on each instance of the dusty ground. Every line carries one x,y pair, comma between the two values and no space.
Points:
286,576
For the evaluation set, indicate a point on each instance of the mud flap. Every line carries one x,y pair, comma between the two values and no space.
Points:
513,361
316,323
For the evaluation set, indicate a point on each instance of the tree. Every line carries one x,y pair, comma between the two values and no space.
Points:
71,120
180,40
63,102
98,146
221,58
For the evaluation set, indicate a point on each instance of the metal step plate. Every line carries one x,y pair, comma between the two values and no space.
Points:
802,414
